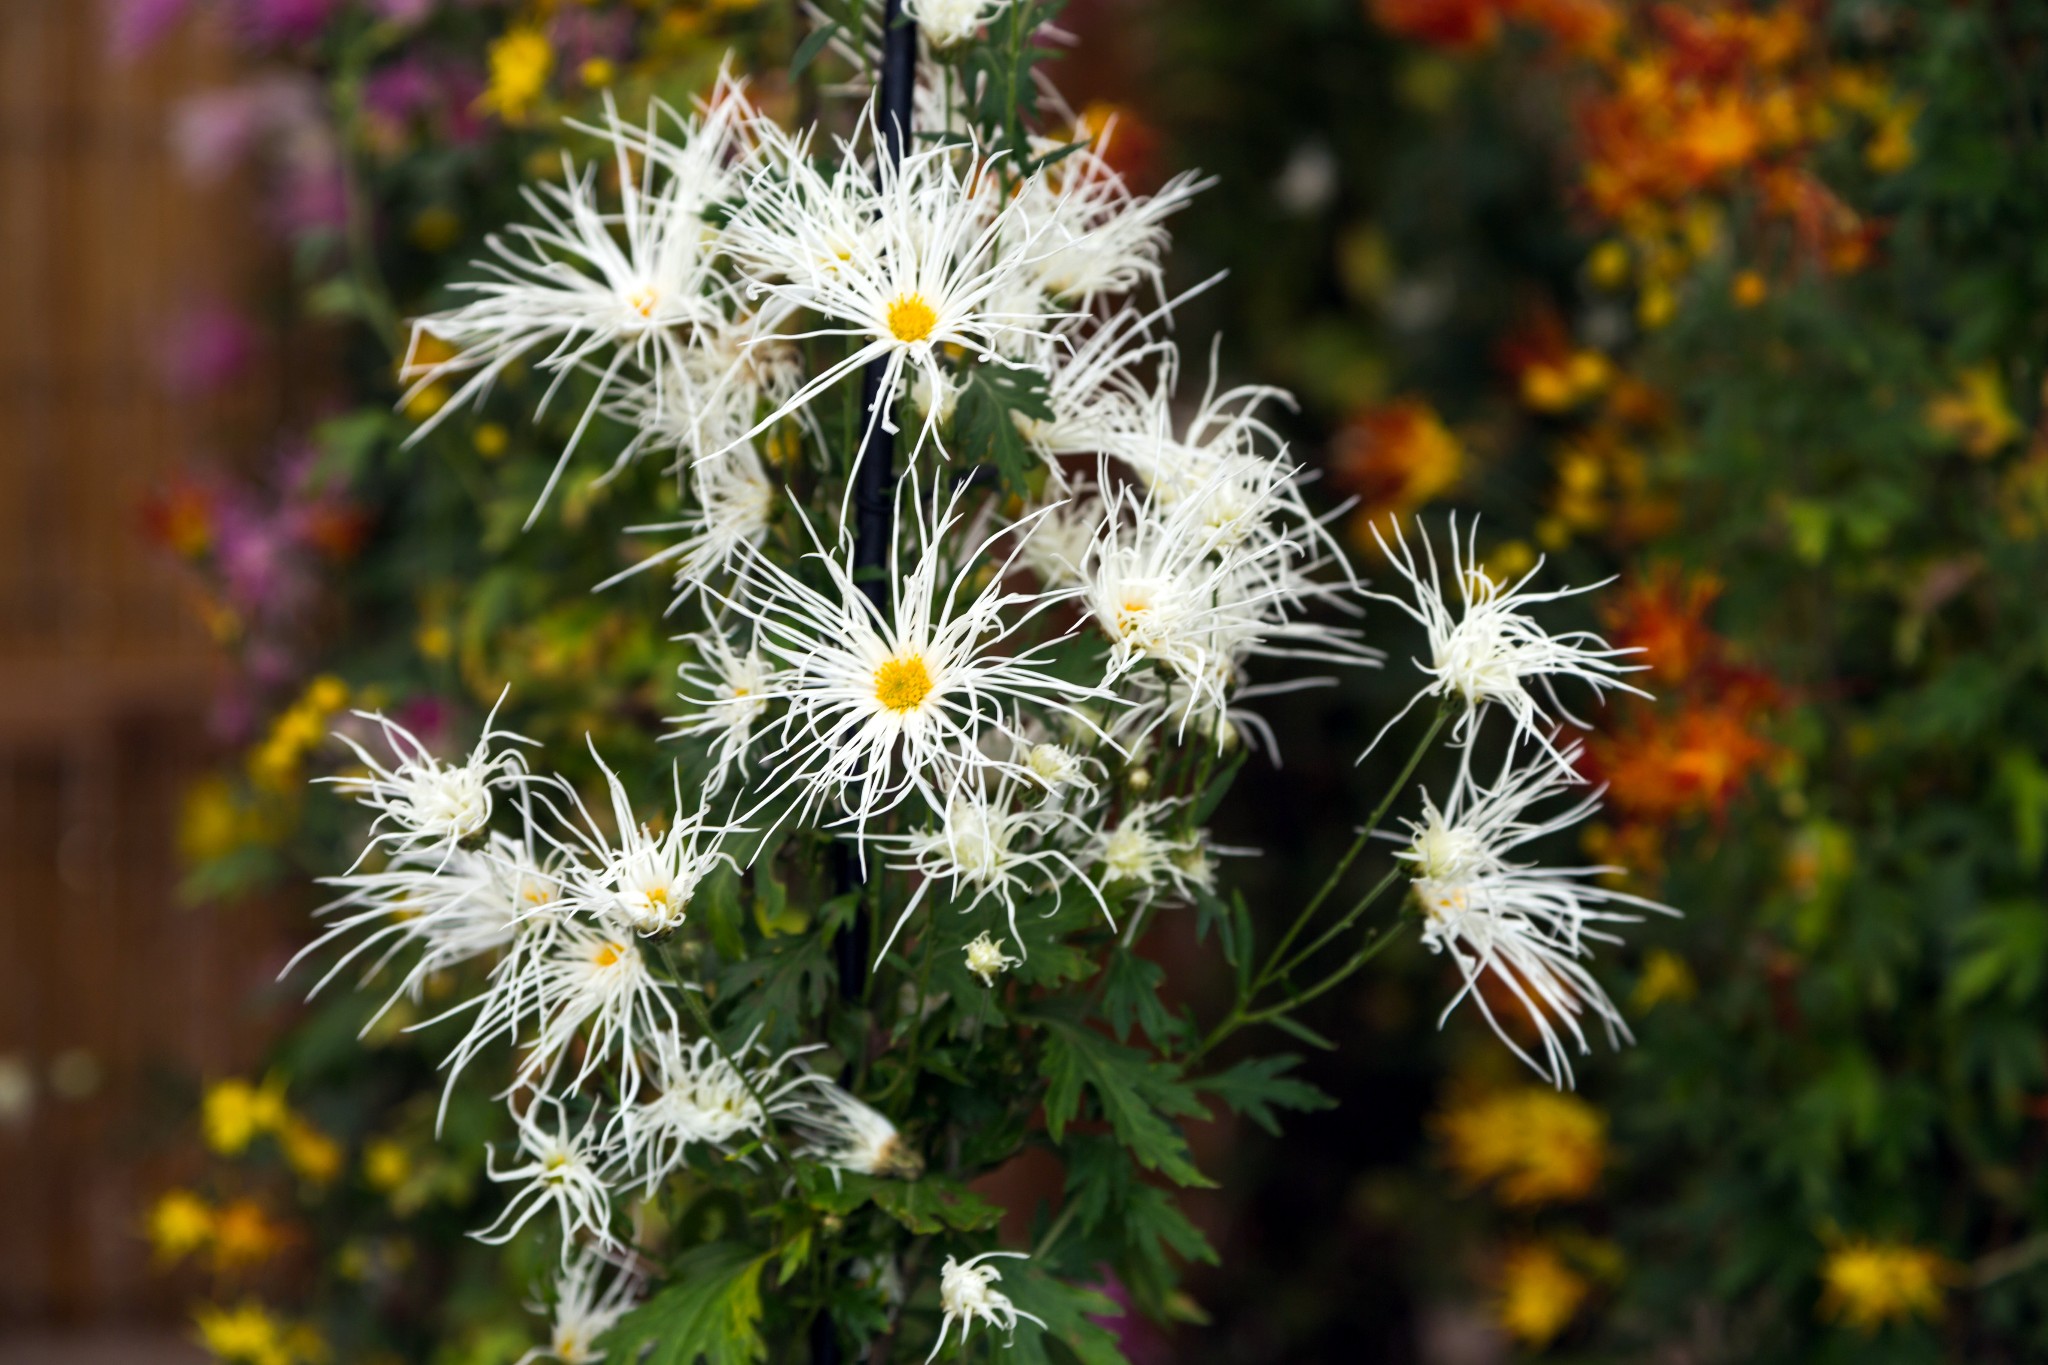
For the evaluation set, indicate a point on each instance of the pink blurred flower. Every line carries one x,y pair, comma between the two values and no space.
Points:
215,131
204,349
1137,1338
274,23
136,26
404,11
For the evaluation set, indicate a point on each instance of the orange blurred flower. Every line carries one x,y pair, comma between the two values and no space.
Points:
1664,614
1394,458
1454,24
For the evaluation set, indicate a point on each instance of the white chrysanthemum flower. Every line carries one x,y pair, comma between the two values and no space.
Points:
724,370
702,1099
1490,650
1099,239
985,845
1061,534
465,905
586,1306
600,293
986,958
1134,852
591,982
881,704
967,1293
733,501
844,1134
730,689
1095,384
1059,770
904,257
423,804
560,1172
1529,926
948,23
642,880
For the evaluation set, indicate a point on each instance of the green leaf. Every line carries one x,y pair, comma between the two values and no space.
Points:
934,1203
985,425
710,1312
1257,1086
1136,1094
1067,1312
1131,994
808,50
1290,1025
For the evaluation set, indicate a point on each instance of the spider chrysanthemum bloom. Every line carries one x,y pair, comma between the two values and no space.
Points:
1135,853
986,958
732,504
967,1294
599,292
906,258
842,1133
729,688
592,983
946,24
986,844
423,804
703,1099
883,704
642,879
586,1306
1528,928
559,1171
1100,239
1489,650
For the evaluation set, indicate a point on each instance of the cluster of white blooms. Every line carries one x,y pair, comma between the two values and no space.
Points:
990,707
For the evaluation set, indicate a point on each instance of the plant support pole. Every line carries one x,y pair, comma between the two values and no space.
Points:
873,512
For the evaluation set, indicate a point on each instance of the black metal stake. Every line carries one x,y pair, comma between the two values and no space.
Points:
873,512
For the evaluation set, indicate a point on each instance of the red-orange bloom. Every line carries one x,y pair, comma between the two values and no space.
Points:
1455,24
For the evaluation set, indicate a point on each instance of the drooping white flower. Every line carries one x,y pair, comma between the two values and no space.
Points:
702,1099
881,705
1529,927
599,293
986,958
585,1307
730,689
844,1134
948,23
1059,770
422,803
559,1172
967,1294
902,257
1489,651
1134,851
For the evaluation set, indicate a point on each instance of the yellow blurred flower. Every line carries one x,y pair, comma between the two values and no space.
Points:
1533,1145
235,1113
1540,1294
1867,1283
491,439
248,1335
521,62
1975,414
297,731
1665,977
386,1165
1749,289
314,1155
244,1235
179,1224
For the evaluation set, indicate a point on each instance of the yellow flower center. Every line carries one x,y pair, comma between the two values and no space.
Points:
902,684
911,319
609,954
643,299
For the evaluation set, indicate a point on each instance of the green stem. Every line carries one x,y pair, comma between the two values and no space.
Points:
1443,714
1350,918
1058,1228
1358,959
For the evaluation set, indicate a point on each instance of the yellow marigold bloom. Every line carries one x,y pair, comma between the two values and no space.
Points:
210,821
521,62
235,1113
1749,289
1867,1284
180,1224
1540,1294
248,1335
1891,147
244,1235
1533,1145
1665,977
1975,414
314,1155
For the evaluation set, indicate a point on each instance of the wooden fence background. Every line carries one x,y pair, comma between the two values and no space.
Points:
107,986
